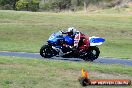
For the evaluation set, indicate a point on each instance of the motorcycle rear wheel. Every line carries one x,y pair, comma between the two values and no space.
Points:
92,54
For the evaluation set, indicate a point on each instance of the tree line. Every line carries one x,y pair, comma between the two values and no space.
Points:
56,5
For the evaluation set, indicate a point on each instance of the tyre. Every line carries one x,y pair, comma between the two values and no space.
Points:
92,54
85,82
47,52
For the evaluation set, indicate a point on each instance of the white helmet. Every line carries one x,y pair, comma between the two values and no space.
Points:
71,29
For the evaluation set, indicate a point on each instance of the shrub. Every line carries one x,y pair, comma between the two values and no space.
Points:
34,5
7,7
21,5
45,6
26,5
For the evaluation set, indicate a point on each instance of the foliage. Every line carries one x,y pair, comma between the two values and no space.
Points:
46,6
32,5
4,2
7,7
21,4
8,3
56,5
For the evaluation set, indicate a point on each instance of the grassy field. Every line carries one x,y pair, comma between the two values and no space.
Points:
27,31
38,73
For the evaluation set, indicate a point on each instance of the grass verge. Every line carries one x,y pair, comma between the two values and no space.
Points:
18,72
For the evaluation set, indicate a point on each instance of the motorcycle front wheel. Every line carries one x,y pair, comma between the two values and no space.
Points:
47,52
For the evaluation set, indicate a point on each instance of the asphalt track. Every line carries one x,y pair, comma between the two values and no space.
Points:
99,60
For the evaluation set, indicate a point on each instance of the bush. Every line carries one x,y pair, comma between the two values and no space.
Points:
33,6
21,5
26,5
7,7
55,5
46,6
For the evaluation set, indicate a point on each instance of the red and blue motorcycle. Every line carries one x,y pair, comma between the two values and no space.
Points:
84,47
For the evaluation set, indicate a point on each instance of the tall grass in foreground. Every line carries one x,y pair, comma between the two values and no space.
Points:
18,72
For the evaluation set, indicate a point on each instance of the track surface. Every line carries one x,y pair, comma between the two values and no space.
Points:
99,60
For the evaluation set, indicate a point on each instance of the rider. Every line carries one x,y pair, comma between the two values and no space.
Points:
69,38
71,32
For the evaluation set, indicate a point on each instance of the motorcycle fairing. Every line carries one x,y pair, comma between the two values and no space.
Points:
94,41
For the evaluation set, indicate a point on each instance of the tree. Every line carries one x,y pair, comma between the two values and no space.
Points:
62,4
86,3
12,3
78,2
74,4
56,4
29,5
22,5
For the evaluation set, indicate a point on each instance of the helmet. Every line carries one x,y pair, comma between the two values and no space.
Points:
71,30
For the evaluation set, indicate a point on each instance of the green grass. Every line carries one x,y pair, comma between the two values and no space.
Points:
27,31
18,72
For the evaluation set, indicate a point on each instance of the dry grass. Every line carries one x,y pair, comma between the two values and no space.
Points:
36,73
26,31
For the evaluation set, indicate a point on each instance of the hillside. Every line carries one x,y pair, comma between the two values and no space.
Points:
26,31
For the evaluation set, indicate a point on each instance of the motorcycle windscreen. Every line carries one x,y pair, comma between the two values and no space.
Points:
54,37
94,41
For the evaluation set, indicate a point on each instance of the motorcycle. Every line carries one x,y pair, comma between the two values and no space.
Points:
85,47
